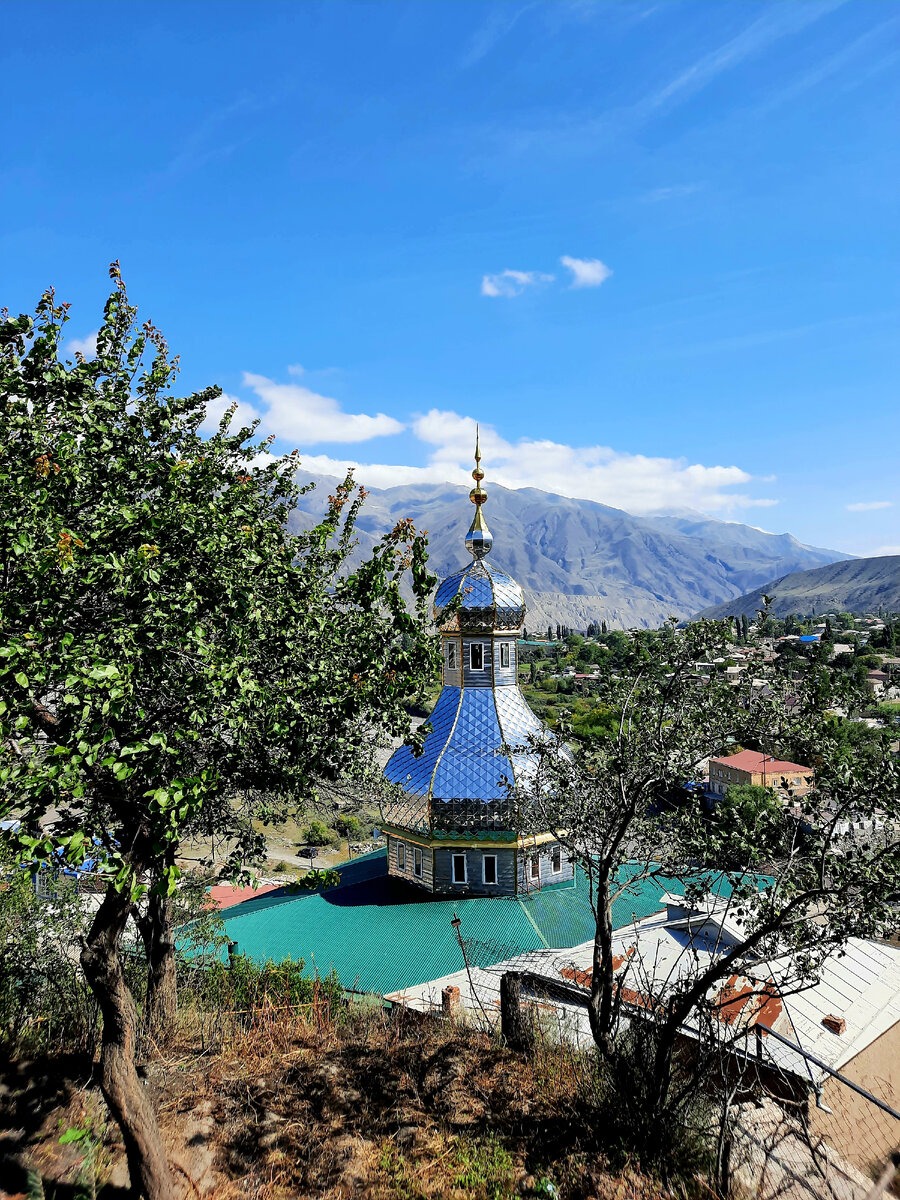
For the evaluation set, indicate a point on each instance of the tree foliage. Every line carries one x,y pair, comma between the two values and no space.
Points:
173,661
628,809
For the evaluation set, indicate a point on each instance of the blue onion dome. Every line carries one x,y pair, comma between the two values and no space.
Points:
489,599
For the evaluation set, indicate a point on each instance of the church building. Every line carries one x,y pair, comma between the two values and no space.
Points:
454,831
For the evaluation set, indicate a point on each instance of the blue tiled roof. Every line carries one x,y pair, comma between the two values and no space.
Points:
485,592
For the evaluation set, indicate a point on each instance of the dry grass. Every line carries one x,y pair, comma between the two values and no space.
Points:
365,1105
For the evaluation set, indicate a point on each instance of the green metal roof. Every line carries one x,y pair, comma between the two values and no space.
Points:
380,934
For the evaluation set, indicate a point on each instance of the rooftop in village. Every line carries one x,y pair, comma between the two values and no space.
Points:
757,763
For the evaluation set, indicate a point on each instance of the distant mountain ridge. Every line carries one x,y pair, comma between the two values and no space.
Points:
860,585
580,561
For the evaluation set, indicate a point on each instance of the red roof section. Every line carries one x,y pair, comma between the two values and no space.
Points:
223,895
752,760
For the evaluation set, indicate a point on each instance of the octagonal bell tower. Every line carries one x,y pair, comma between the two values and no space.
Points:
454,830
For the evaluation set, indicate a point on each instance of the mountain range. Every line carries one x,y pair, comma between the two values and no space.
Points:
860,585
580,561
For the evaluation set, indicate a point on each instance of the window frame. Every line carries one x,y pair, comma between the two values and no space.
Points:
451,656
556,857
534,868
479,646
504,654
401,856
417,862
457,855
484,879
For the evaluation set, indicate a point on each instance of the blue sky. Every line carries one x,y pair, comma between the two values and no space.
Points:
652,247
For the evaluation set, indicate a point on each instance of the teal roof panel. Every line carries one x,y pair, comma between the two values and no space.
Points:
380,934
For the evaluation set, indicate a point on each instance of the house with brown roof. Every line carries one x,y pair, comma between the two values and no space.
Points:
750,766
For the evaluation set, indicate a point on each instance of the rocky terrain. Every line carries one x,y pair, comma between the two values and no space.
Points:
580,561
858,585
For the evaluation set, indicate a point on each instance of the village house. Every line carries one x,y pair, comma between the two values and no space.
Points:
752,767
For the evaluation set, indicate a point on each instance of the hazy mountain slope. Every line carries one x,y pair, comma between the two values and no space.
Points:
580,561
859,585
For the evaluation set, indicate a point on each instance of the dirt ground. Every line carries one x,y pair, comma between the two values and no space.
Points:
376,1107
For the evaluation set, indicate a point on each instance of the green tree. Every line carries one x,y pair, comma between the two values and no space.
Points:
625,813
172,659
317,833
347,825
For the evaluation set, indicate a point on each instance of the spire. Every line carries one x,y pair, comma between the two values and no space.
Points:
479,538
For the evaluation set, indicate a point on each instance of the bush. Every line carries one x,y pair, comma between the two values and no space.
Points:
319,834
347,825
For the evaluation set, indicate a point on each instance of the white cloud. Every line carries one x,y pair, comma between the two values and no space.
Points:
512,283
882,550
586,272
676,191
634,482
868,505
86,345
300,415
246,414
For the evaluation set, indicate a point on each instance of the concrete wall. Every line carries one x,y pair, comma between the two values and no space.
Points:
443,871
545,863
427,877
859,1131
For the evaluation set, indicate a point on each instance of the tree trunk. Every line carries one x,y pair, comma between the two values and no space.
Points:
125,1095
515,1022
603,979
161,997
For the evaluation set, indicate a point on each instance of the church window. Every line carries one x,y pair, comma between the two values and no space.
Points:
489,868
451,656
417,862
556,860
476,656
401,856
534,867
504,654
459,868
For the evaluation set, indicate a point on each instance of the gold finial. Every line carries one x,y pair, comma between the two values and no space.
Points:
477,495
479,538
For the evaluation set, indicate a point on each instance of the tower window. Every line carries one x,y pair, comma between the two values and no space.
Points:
451,656
556,860
417,862
459,869
476,656
401,856
489,868
504,654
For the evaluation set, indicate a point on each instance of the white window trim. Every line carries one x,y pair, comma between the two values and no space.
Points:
484,879
557,850
534,867
401,856
465,878
417,862
451,656
484,665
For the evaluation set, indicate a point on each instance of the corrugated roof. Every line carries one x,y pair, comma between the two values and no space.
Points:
380,934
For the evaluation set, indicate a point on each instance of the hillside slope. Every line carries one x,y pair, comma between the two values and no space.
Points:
860,585
580,561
